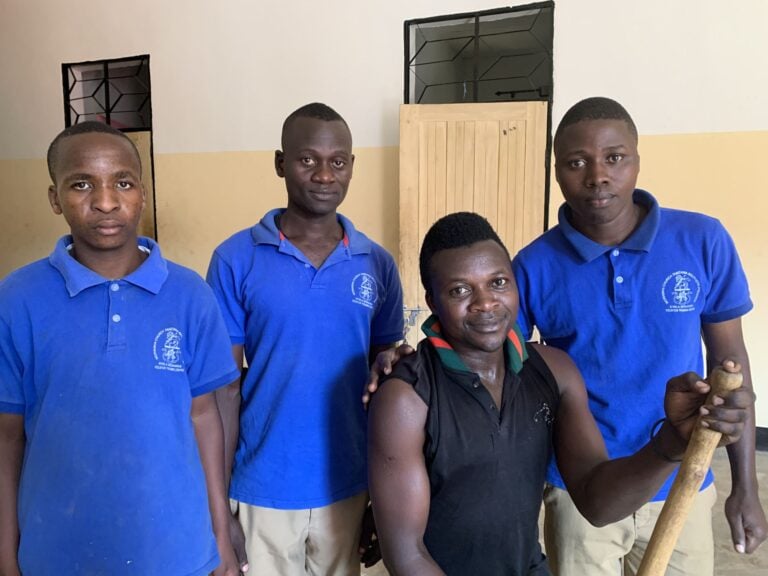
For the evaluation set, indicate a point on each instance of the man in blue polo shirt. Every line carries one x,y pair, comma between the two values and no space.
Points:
109,357
629,289
307,300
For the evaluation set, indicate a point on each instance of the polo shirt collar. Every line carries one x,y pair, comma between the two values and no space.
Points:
640,240
514,347
150,276
267,232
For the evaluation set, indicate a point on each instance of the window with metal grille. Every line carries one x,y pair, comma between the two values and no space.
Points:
116,92
488,56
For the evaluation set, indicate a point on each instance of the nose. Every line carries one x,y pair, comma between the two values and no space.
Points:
104,198
596,174
484,300
323,174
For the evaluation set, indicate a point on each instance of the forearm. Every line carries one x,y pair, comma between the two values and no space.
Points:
725,342
741,454
11,457
416,562
210,441
616,488
228,400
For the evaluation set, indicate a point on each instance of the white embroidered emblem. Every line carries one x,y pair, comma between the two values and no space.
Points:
680,291
167,350
365,291
544,414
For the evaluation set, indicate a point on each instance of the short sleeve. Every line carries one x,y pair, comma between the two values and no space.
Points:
523,314
387,326
11,373
226,289
211,365
728,297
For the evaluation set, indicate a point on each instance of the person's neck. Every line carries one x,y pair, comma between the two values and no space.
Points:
615,232
295,225
111,264
489,366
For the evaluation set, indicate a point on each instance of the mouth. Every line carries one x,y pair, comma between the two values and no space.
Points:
323,194
108,227
488,324
599,201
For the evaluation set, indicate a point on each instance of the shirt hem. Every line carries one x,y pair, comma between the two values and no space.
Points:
304,504
218,383
208,567
728,314
10,408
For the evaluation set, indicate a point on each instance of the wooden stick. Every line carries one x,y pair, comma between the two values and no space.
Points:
693,470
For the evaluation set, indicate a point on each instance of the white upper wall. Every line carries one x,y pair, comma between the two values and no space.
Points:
224,75
681,66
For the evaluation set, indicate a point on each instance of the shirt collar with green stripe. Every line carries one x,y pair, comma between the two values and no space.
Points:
514,347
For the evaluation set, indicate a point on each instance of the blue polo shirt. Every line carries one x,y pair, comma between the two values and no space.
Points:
306,334
104,372
630,315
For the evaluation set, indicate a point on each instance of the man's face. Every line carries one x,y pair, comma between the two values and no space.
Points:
596,165
474,295
316,164
98,190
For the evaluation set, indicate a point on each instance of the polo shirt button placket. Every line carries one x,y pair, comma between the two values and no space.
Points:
116,328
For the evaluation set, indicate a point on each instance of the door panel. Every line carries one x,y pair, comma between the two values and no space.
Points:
484,158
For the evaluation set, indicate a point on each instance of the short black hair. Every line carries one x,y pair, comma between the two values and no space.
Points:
316,110
82,128
595,108
455,230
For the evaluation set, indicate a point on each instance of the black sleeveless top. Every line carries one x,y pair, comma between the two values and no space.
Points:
486,465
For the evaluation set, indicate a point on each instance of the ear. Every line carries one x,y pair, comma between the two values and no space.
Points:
280,163
430,301
53,198
143,196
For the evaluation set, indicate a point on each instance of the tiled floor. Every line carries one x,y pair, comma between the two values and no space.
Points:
727,562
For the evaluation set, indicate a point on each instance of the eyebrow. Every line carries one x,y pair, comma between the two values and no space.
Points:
125,174
87,176
78,176
582,151
496,273
339,152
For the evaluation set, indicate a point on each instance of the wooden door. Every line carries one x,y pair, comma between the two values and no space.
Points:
484,158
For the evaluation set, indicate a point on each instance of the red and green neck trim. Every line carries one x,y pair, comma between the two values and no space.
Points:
514,347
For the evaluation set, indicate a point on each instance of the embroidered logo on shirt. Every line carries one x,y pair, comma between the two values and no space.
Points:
365,290
167,350
544,414
680,291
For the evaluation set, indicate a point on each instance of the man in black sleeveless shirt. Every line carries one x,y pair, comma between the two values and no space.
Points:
461,431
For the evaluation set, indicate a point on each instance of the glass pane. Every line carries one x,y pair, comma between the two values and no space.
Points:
511,57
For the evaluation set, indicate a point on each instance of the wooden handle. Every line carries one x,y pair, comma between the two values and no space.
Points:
693,470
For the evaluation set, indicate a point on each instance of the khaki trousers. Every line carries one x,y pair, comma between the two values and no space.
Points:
317,541
576,548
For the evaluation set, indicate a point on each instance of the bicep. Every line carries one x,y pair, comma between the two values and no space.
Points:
579,446
203,405
398,478
11,427
725,340
237,354
12,443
